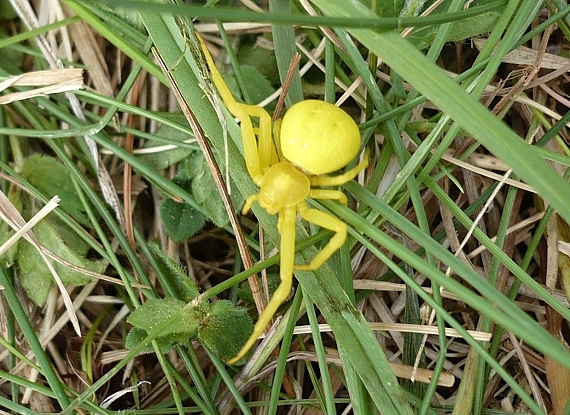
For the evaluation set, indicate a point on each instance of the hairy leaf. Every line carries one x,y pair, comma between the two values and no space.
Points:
52,178
180,220
225,328
182,284
36,277
165,343
155,312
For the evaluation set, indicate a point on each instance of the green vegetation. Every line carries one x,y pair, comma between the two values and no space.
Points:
457,259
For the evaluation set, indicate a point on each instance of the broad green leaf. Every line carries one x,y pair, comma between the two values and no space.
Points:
473,26
180,220
191,167
155,312
165,343
246,295
264,61
205,191
51,178
385,8
257,85
35,277
203,186
225,328
8,257
174,272
34,273
216,210
412,8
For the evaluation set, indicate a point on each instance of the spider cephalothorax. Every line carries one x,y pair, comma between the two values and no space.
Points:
315,138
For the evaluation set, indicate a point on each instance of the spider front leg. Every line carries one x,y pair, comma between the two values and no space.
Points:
324,220
287,219
257,156
341,178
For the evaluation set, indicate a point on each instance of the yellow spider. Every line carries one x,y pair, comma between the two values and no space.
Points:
315,138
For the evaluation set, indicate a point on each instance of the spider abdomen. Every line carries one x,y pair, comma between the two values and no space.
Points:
283,185
319,137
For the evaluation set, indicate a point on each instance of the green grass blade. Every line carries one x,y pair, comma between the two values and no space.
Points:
492,303
432,82
44,362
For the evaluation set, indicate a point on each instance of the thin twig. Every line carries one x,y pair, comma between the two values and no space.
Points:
290,73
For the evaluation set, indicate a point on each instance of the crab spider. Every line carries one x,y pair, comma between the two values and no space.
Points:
315,138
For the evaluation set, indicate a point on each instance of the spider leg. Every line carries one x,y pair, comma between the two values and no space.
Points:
257,159
328,194
266,151
341,178
248,203
280,223
324,220
287,251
